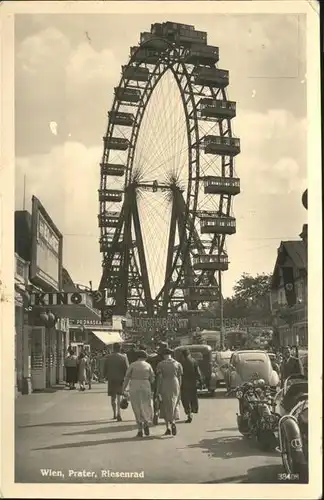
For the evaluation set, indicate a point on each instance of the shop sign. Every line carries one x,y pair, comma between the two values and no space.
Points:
89,324
59,299
47,247
159,323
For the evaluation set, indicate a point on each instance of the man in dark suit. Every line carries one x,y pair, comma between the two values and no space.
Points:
291,365
116,365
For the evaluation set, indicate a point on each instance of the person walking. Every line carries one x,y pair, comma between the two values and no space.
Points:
140,378
132,354
290,365
154,361
115,369
82,370
169,375
191,375
101,367
71,369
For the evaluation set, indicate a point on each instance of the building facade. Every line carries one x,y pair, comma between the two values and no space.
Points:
289,291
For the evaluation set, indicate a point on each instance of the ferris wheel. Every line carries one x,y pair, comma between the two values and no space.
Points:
167,176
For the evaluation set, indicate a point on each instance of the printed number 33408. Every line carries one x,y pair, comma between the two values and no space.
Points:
288,477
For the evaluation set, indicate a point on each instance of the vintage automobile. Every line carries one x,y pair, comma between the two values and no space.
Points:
221,361
292,404
202,353
247,364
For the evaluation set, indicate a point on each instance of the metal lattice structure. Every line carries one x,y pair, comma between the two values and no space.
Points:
198,181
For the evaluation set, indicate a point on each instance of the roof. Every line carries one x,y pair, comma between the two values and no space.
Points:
296,251
67,282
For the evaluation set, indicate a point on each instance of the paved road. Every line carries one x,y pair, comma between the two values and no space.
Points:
66,431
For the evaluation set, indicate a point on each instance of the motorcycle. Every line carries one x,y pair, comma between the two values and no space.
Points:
292,404
257,418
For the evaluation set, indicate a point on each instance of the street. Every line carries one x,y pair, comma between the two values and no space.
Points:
68,436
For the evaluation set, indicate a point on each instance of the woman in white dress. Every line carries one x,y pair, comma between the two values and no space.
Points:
169,375
139,377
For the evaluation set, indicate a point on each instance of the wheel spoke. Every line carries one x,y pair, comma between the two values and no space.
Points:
163,149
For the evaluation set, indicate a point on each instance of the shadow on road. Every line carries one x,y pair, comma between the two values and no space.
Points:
103,430
51,390
228,447
63,424
218,394
266,474
222,429
84,444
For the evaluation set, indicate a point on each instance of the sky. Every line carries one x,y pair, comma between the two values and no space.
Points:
66,68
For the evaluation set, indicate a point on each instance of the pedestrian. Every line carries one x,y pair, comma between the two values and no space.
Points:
82,370
290,365
132,354
140,378
191,376
169,374
71,368
101,366
154,361
116,365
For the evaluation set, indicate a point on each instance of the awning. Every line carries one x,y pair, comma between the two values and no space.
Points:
76,312
108,337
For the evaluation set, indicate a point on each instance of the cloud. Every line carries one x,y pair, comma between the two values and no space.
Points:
63,77
273,151
66,180
72,86
269,207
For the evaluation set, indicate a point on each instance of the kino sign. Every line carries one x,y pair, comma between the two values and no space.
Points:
59,299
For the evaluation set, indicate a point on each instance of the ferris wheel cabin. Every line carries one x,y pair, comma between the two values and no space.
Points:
112,169
116,143
218,145
204,54
212,77
135,73
202,262
217,108
127,95
108,219
222,185
105,242
201,294
221,224
118,118
111,195
151,41
179,33
144,54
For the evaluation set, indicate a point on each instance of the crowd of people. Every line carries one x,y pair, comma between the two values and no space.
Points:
154,383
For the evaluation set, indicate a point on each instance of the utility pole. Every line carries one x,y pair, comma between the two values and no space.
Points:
221,304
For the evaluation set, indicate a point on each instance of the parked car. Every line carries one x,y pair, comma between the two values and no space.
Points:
202,353
245,365
221,363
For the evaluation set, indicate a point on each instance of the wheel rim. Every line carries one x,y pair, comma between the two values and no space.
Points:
168,295
286,457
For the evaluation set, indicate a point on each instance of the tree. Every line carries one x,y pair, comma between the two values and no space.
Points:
253,289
